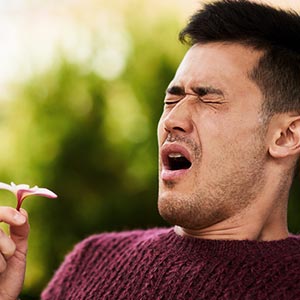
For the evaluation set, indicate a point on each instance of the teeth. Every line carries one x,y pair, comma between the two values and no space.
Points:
175,155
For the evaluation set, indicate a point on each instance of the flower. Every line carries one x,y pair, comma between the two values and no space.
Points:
22,191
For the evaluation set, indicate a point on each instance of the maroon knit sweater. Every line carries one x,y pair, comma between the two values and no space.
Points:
158,264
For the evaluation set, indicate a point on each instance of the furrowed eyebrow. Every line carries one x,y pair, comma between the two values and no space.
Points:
175,90
205,90
200,91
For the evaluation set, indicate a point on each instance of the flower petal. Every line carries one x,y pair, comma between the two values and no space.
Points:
5,186
22,191
20,186
38,192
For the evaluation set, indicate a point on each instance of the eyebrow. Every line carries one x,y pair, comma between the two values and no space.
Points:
175,90
200,91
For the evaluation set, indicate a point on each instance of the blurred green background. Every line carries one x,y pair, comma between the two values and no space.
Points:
79,110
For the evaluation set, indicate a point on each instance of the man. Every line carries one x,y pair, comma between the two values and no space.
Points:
229,143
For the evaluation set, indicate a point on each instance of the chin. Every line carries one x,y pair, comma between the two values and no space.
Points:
175,211
186,210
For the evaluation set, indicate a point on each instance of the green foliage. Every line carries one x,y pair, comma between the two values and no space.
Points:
93,142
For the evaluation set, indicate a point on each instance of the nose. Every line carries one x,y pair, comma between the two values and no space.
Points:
179,118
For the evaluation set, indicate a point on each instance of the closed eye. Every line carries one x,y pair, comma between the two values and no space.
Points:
170,102
210,102
173,98
203,94
209,95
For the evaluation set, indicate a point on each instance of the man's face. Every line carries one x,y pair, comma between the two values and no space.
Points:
212,152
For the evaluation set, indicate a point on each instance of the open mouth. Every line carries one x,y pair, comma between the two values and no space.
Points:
177,161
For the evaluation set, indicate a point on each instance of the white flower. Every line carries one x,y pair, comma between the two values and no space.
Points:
22,191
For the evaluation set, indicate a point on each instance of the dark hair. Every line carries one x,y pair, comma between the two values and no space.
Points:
262,27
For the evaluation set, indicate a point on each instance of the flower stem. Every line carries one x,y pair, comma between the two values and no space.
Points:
18,206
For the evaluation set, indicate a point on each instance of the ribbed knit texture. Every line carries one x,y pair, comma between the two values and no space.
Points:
158,264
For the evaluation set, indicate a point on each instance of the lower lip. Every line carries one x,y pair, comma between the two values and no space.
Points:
172,174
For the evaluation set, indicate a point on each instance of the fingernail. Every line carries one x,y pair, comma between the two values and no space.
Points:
19,218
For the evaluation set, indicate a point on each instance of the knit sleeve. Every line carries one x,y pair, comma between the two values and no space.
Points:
64,277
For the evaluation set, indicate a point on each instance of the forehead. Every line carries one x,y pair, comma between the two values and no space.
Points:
220,65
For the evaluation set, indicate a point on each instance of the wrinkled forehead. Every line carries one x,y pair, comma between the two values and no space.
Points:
220,64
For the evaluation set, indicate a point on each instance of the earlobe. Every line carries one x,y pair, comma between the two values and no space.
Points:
286,141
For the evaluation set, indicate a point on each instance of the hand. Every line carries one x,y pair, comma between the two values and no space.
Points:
13,251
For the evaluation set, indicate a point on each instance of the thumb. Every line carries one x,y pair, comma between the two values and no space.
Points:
19,233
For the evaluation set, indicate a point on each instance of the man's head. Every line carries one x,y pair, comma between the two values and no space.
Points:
231,114
261,27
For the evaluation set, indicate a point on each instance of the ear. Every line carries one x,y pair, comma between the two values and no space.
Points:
286,138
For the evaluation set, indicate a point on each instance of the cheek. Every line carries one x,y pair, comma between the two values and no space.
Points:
213,128
228,141
216,136
221,129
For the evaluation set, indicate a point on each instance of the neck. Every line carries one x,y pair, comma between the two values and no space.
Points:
264,220
243,231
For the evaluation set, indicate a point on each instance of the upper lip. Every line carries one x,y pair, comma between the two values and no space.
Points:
168,149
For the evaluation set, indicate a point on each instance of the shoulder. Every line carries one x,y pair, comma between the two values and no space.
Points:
280,268
282,276
111,240
107,245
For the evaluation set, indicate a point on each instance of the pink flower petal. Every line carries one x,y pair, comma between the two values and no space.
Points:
22,191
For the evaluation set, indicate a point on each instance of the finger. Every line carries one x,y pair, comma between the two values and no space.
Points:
3,264
19,233
11,216
7,246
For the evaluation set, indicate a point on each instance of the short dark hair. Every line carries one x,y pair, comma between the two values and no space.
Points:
274,31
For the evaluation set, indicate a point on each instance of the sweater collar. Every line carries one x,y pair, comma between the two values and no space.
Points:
204,247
